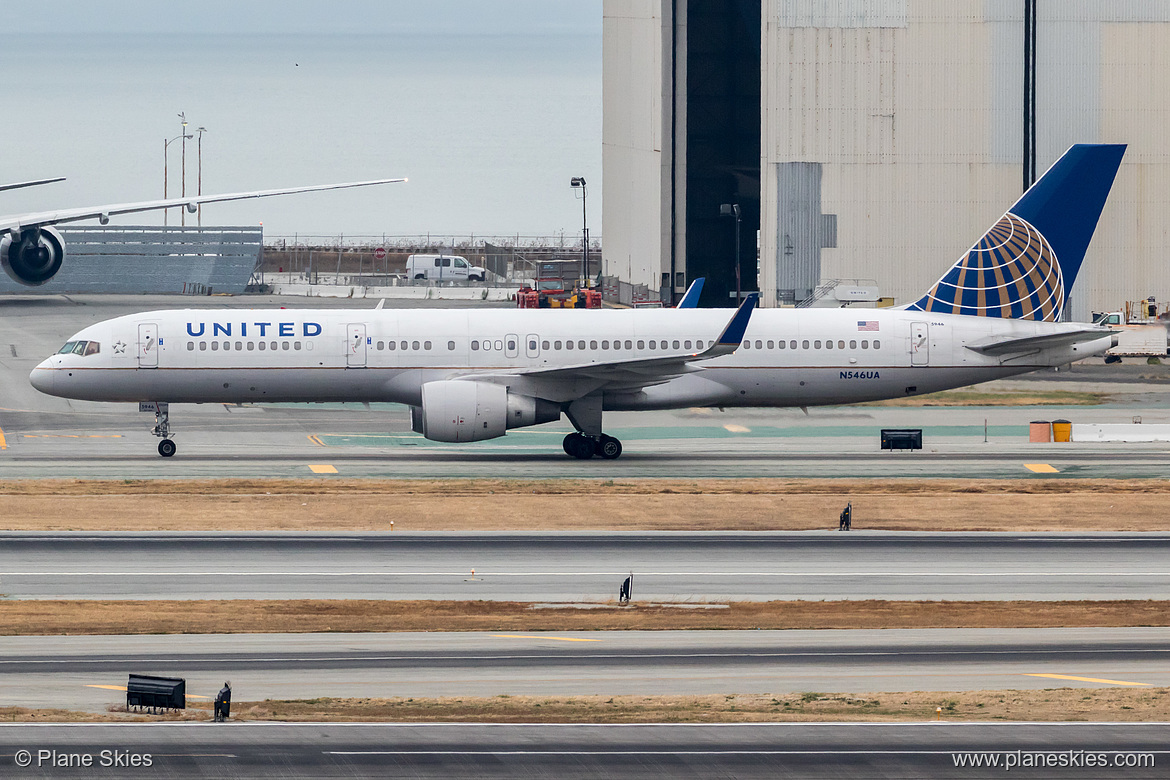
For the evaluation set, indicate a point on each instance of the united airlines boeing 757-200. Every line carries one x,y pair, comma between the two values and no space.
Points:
473,375
32,252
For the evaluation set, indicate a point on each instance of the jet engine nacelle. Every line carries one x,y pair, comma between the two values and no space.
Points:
33,256
460,410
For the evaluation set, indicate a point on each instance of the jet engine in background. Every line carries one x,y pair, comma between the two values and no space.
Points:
459,411
32,256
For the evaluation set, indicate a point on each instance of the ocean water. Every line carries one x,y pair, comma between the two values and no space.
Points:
489,128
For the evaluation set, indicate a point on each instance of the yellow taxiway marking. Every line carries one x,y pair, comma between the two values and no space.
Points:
123,687
1041,468
558,638
1086,679
316,440
733,428
323,468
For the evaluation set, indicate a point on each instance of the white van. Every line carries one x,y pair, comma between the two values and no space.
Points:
439,268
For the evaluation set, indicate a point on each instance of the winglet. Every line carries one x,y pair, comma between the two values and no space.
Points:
691,299
732,336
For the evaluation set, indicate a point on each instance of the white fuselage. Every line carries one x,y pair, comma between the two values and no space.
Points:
828,356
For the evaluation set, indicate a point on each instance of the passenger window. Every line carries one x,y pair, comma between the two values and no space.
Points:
653,345
877,344
747,344
605,345
380,345
770,344
474,346
190,346
202,346
499,344
215,346
284,345
296,344
641,344
841,344
852,344
568,345
865,344
581,344
557,345
262,345
404,346
676,346
544,345
629,344
592,345
780,344
427,345
451,346
687,344
759,344
792,344
700,343
251,346
239,346
828,344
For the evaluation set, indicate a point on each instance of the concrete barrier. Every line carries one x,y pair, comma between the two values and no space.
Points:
395,293
1121,432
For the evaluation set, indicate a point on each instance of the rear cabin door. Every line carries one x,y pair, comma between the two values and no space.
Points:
148,345
355,355
919,344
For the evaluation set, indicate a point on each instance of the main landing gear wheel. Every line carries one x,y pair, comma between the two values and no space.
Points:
166,448
609,447
578,445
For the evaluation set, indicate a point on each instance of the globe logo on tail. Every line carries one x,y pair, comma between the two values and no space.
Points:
1011,272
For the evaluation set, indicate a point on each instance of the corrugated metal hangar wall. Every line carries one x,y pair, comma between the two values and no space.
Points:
141,259
902,122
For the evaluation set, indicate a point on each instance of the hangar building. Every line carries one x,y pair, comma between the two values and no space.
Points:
873,139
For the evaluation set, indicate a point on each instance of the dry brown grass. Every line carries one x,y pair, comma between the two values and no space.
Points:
1054,704
323,504
984,398
38,617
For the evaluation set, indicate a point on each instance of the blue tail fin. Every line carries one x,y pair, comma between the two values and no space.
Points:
1025,265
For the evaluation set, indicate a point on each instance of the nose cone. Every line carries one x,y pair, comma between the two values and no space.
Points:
42,378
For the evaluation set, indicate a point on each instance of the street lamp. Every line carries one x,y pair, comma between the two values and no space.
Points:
732,210
166,145
575,182
201,131
186,135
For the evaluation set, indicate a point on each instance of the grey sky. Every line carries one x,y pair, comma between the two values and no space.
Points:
302,16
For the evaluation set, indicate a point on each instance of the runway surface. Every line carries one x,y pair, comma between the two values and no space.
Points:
667,566
41,436
835,750
80,672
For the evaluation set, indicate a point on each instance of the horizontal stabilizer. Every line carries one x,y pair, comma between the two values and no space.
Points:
1032,343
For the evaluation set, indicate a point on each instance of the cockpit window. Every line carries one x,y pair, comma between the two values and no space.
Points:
82,348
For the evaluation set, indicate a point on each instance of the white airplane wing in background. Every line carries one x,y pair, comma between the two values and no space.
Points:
20,222
35,183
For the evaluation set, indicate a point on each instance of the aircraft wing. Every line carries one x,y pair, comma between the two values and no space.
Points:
1032,343
568,383
36,183
103,213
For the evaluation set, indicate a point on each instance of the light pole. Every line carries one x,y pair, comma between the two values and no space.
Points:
186,135
579,181
201,131
166,145
732,210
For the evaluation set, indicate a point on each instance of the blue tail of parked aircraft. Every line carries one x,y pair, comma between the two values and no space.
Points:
1025,265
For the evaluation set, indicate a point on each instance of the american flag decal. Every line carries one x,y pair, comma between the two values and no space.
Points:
867,325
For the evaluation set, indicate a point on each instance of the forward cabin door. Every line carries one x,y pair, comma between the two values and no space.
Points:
355,353
919,344
148,345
